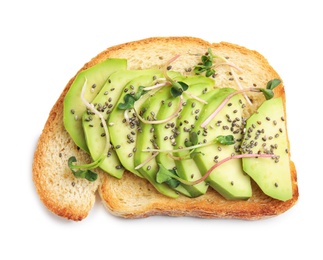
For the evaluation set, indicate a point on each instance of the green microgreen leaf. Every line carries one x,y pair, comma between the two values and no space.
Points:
193,154
139,93
273,83
167,176
193,139
207,60
225,139
205,65
178,88
85,174
70,162
183,85
209,72
176,92
129,100
199,69
268,93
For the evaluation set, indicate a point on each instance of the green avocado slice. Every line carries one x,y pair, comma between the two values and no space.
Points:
74,107
267,128
228,179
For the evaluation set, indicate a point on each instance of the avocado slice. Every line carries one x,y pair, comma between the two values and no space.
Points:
266,133
123,132
74,108
105,102
166,132
228,179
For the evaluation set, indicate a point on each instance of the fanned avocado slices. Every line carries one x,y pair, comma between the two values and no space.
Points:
148,123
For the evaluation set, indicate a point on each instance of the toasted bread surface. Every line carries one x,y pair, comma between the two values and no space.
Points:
131,196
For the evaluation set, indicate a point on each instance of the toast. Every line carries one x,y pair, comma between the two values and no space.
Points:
134,197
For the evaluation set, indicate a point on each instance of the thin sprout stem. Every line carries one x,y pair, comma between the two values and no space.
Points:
146,161
178,158
239,86
238,156
156,122
195,97
227,62
166,65
87,166
126,116
177,150
157,86
173,59
233,66
208,120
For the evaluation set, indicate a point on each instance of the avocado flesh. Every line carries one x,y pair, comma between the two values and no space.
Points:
228,179
123,133
104,102
74,108
268,129
167,131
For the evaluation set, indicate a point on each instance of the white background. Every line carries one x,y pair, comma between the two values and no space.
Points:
44,43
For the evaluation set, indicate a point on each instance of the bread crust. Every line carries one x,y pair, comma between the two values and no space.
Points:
131,196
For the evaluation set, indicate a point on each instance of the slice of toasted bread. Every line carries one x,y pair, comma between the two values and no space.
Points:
134,197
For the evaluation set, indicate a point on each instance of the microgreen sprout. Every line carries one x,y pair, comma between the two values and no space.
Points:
178,87
225,139
167,176
154,154
206,65
268,93
83,170
129,100
192,144
158,85
179,149
161,121
233,68
189,155
193,139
